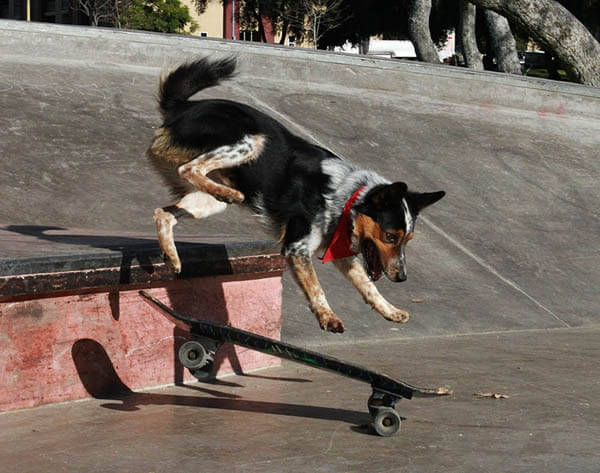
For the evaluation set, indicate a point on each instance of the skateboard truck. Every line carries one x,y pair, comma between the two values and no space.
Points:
197,356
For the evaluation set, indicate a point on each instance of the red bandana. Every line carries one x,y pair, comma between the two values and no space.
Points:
339,246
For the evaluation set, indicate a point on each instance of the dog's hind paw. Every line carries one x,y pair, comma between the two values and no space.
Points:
174,266
234,197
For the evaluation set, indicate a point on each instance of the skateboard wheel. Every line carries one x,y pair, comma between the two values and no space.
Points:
386,422
206,373
193,355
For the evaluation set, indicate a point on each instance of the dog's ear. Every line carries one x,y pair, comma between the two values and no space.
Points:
383,196
418,201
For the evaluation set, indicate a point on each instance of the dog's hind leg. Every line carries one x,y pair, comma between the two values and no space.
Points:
196,205
354,271
305,275
196,171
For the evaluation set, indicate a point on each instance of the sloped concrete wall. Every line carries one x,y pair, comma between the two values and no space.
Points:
513,246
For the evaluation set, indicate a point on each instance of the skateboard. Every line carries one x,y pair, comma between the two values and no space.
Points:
197,356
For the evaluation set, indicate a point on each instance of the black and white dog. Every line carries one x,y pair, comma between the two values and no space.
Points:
217,152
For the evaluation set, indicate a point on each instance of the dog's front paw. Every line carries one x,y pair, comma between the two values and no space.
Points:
397,315
331,323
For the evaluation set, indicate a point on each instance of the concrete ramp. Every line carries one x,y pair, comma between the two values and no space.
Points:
515,244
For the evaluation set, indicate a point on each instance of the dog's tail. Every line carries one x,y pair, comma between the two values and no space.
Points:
190,78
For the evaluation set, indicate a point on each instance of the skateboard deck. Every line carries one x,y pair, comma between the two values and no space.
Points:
197,356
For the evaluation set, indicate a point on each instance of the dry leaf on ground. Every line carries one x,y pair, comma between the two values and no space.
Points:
491,395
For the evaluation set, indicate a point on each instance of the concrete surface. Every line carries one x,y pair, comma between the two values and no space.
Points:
294,419
506,267
514,244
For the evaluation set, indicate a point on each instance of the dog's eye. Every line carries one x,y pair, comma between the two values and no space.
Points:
391,238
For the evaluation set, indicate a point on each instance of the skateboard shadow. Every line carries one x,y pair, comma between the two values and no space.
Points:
101,381
222,401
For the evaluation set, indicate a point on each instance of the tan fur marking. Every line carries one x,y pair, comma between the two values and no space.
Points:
162,148
306,277
164,228
197,170
281,233
203,183
365,227
355,273
197,205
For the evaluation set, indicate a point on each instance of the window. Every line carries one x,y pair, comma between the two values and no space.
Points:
249,35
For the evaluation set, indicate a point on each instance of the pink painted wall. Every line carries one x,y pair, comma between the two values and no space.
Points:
70,347
268,26
227,20
228,24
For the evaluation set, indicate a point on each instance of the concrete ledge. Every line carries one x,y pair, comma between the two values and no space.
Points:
25,278
63,318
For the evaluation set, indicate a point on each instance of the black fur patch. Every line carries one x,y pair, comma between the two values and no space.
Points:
286,180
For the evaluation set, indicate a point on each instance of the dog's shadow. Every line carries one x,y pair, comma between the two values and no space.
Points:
107,242
141,251
145,253
101,381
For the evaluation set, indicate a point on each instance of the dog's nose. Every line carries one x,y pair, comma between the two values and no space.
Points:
399,276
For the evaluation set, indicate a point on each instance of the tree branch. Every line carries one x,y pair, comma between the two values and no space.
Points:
558,31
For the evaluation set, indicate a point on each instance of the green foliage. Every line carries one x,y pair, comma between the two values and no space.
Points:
165,16
200,5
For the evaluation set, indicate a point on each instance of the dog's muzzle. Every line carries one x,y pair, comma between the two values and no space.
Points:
371,260
395,271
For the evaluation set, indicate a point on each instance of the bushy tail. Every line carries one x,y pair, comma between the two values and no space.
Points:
190,78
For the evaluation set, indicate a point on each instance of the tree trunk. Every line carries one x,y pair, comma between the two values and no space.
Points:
468,40
261,31
261,26
117,15
418,30
284,30
363,46
558,31
503,42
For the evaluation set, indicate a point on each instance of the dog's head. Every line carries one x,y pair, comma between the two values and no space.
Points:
384,223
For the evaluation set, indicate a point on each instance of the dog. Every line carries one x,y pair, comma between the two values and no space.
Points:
213,152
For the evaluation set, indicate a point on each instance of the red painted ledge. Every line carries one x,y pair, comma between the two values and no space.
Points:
73,326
